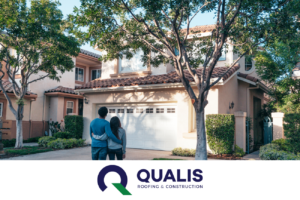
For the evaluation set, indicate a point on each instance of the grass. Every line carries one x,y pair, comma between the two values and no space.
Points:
166,159
25,151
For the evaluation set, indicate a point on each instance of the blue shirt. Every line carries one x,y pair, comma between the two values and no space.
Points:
99,127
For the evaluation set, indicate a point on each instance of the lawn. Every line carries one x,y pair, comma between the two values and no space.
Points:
166,159
25,151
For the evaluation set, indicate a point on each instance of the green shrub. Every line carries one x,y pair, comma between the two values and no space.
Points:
65,143
57,144
184,152
273,152
30,140
292,131
63,135
9,143
282,143
220,133
43,141
238,152
74,125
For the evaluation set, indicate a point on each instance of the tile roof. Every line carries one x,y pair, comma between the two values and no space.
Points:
61,89
201,29
89,53
171,77
248,77
8,86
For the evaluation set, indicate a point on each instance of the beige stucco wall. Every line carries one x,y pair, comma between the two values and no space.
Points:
228,93
56,108
67,80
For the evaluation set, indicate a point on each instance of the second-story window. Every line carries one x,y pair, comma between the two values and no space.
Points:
248,63
96,73
79,74
134,64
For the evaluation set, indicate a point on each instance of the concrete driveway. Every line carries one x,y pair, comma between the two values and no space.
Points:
84,153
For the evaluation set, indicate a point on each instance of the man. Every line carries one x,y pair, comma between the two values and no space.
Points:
99,126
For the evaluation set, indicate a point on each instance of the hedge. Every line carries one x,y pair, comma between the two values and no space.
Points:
74,125
184,152
43,142
292,131
272,152
63,135
65,143
220,133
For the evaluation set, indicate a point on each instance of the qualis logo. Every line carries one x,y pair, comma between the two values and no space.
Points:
120,186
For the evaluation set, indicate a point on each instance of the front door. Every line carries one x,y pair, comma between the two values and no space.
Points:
257,124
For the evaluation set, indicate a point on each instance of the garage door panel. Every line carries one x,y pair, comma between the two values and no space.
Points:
154,128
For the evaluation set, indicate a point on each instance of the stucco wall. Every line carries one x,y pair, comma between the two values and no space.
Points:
67,80
228,93
56,109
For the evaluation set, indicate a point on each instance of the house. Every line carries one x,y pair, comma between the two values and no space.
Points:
154,107
48,100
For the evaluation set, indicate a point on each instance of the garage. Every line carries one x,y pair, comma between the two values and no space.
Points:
147,127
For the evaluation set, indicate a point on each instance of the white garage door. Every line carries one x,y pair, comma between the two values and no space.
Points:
148,127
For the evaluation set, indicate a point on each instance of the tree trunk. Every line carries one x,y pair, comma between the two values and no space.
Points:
19,134
201,150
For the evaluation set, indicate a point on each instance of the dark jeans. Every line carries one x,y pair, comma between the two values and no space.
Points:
99,153
115,152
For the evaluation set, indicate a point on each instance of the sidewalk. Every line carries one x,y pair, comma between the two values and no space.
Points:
252,156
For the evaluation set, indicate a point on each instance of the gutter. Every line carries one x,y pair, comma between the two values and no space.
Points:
259,85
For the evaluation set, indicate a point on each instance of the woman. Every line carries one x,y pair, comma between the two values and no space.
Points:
115,149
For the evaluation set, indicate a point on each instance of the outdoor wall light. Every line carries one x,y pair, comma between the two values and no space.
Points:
86,101
231,105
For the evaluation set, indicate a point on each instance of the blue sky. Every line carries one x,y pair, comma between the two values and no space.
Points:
68,5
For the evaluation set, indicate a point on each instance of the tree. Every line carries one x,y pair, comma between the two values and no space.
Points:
123,27
36,33
275,66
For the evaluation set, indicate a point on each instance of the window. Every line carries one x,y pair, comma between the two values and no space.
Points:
160,110
149,110
133,65
139,110
70,107
79,74
121,111
111,111
1,109
248,63
129,110
96,73
171,110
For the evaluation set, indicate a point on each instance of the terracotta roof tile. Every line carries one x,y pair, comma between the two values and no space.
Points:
89,53
8,86
248,77
171,77
61,89
200,29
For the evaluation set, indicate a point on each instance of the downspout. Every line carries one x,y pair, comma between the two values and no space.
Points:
43,117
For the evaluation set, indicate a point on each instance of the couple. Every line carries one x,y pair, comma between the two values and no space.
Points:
107,138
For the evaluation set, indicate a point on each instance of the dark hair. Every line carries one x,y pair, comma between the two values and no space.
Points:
115,125
102,111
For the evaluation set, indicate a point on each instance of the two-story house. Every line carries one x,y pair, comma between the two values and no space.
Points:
49,100
154,107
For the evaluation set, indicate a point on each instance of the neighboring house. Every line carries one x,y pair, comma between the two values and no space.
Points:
154,107
49,100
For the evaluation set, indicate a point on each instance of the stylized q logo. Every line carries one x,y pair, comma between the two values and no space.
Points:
120,186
